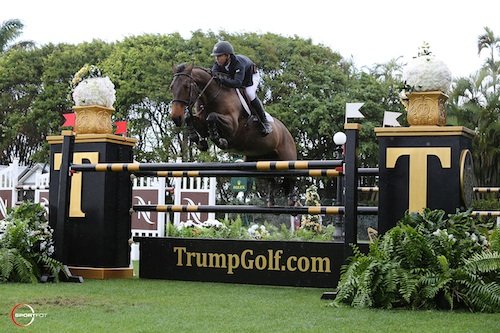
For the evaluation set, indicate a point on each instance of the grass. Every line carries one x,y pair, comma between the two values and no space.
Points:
139,305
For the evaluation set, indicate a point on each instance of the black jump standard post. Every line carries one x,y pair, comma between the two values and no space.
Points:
423,167
89,212
351,188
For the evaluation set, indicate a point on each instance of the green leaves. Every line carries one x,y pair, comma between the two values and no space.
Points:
26,245
426,261
474,103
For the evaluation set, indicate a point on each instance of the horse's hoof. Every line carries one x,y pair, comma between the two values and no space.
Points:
203,145
292,201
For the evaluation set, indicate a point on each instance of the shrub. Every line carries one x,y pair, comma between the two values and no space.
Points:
26,245
428,260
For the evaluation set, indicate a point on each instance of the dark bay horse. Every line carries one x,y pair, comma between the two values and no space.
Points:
216,112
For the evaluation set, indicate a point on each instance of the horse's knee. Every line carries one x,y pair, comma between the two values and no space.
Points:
212,118
223,144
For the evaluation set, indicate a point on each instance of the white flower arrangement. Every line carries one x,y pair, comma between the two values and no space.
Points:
213,224
187,224
426,73
90,88
312,222
444,233
257,231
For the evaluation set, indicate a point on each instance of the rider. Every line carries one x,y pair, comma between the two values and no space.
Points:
242,73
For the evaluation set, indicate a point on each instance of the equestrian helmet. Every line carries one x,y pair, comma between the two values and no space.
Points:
222,47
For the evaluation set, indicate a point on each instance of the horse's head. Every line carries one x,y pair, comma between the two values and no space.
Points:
183,90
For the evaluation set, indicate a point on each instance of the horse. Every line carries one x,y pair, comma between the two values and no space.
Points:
214,111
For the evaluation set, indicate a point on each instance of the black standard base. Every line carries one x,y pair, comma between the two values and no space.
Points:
329,295
66,276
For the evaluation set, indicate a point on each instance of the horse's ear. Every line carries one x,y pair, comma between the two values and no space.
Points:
189,68
174,68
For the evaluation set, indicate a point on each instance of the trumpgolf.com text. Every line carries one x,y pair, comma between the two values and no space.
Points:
274,260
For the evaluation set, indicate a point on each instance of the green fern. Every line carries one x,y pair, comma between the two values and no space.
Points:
26,245
427,261
495,240
483,297
51,266
483,262
24,270
6,263
482,272
14,267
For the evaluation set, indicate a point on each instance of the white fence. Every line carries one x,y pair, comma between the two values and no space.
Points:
18,182
154,190
15,183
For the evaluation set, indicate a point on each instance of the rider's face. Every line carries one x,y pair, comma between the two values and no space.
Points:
222,59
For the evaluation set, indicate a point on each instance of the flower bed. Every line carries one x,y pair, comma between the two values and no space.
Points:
236,230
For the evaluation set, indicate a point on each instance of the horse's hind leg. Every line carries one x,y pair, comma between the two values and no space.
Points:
290,189
270,192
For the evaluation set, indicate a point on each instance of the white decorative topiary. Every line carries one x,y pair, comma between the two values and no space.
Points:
426,73
90,88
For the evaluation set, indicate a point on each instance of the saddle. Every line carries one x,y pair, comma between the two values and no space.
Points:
247,106
245,101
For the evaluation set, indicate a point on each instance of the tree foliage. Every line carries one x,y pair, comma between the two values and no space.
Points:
10,30
35,92
475,103
304,84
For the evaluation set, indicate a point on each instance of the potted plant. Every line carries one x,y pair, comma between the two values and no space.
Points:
427,81
93,96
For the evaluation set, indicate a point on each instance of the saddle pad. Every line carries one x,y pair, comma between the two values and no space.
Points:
247,109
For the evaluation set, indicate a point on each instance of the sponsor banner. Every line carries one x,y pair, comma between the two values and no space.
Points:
145,220
194,198
302,264
5,202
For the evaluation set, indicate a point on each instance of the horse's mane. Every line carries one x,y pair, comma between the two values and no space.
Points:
182,68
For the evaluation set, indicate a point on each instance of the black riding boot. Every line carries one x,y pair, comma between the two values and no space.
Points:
259,110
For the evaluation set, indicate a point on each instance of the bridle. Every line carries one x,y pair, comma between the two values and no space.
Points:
191,102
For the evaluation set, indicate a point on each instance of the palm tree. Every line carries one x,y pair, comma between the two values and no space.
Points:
472,104
9,31
488,40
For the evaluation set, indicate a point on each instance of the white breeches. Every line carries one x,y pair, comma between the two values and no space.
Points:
251,91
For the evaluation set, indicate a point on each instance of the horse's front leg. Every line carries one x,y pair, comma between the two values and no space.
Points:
193,135
213,122
198,132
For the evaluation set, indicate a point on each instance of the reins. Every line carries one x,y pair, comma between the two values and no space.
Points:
190,104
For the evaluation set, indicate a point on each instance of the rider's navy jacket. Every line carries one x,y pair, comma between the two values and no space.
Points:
240,71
